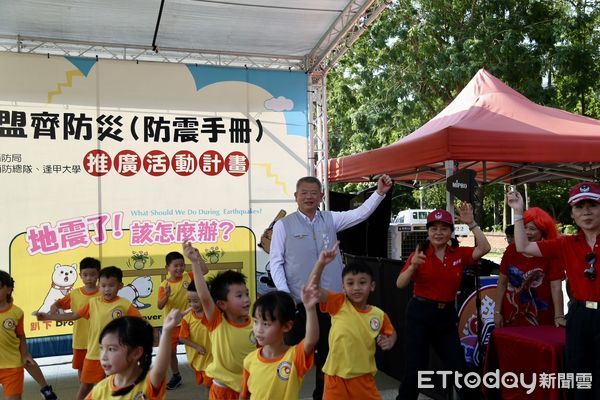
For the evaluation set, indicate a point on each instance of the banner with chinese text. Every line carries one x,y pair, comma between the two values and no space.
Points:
124,161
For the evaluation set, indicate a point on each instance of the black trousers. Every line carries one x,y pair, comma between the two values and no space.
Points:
428,325
582,349
297,334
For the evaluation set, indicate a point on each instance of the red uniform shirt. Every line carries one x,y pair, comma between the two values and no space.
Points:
528,298
439,280
572,249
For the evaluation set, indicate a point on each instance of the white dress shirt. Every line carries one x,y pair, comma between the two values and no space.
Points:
341,220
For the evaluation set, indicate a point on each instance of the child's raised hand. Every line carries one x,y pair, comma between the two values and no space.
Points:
385,342
174,318
310,293
328,255
191,252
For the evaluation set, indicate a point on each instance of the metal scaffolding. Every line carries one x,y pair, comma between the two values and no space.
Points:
352,21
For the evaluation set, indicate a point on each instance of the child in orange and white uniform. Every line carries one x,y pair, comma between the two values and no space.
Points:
276,370
126,355
99,311
12,341
89,270
355,325
172,293
196,338
226,306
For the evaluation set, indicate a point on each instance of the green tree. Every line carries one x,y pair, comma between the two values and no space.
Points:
577,57
416,58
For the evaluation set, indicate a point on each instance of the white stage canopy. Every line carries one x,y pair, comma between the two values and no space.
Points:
303,35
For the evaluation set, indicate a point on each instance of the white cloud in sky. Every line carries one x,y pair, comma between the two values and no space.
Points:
279,104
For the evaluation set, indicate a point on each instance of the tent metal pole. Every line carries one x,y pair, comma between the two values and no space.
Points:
449,165
479,212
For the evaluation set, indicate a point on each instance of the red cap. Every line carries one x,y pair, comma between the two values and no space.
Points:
584,191
440,216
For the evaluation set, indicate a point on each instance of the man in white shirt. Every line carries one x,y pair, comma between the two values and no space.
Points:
297,241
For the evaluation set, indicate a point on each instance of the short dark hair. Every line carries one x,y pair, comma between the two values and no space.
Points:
191,287
112,272
309,179
357,267
89,263
275,306
219,284
172,256
510,230
8,281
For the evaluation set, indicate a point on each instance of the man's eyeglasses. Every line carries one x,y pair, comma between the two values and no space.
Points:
590,271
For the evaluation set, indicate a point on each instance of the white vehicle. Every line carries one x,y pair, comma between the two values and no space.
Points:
412,217
461,230
408,229
419,217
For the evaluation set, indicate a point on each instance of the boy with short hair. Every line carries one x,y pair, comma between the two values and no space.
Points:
89,270
196,338
99,311
355,325
226,308
172,294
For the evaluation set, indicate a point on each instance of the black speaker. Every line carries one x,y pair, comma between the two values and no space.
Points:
369,238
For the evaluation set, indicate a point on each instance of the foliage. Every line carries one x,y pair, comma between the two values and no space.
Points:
417,57
213,254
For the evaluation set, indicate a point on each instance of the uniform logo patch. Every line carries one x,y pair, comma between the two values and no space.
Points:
284,369
186,284
375,323
116,313
9,324
252,338
140,396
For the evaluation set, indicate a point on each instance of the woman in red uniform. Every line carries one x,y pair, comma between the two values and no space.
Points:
436,269
579,254
530,288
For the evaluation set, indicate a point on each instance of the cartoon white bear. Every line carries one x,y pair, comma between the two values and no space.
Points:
139,288
63,279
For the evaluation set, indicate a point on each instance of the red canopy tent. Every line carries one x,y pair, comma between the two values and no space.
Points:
490,127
